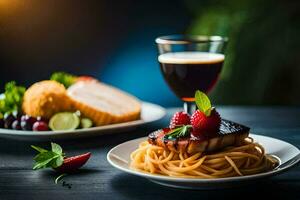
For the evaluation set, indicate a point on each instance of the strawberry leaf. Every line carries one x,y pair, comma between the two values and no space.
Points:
39,149
57,162
44,156
43,164
53,158
203,102
56,148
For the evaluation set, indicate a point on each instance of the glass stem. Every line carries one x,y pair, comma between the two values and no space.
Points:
189,107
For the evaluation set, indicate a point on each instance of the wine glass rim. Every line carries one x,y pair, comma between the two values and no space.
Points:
188,39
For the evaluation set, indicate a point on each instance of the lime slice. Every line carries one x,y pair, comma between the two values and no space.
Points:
64,121
86,123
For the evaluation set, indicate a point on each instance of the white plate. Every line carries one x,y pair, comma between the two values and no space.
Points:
150,113
119,157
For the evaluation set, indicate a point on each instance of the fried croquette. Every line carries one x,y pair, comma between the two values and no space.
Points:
45,98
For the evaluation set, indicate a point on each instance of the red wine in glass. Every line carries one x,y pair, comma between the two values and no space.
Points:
185,72
190,63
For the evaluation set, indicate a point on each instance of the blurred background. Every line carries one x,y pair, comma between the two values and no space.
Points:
114,41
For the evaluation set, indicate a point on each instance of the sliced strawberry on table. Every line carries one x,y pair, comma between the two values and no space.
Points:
73,163
55,159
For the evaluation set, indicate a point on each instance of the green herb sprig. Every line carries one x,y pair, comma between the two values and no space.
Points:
182,131
45,159
64,78
203,103
11,99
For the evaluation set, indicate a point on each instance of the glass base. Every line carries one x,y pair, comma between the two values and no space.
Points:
189,107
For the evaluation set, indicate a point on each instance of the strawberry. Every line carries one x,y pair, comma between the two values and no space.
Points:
166,130
206,120
55,159
206,124
179,118
73,163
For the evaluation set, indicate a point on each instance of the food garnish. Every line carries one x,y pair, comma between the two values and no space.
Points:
1,120
64,121
40,126
55,159
182,131
206,119
86,123
203,124
16,125
64,78
9,118
73,163
203,103
11,99
179,119
27,122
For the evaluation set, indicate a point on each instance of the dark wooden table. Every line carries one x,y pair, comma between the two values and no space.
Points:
98,180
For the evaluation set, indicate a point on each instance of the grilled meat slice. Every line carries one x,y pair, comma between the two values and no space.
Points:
230,133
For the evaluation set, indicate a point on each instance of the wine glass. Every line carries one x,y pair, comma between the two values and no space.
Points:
189,63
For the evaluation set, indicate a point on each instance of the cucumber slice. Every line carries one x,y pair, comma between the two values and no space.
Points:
86,123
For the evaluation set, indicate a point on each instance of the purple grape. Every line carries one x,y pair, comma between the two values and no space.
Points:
17,115
1,123
24,117
16,125
8,120
26,126
40,126
27,122
31,120
42,119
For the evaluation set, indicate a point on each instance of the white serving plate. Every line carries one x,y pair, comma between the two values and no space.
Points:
286,153
150,113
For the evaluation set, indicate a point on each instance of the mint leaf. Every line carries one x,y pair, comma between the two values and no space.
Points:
39,149
45,155
58,161
45,158
43,164
56,148
203,102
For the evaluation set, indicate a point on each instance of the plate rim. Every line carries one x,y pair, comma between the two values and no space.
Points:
11,133
199,180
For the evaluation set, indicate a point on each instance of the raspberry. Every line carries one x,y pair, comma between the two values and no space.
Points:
179,119
206,124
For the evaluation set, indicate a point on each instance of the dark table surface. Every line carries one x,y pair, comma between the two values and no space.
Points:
98,180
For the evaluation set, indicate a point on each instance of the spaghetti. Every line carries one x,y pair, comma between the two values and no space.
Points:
247,159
